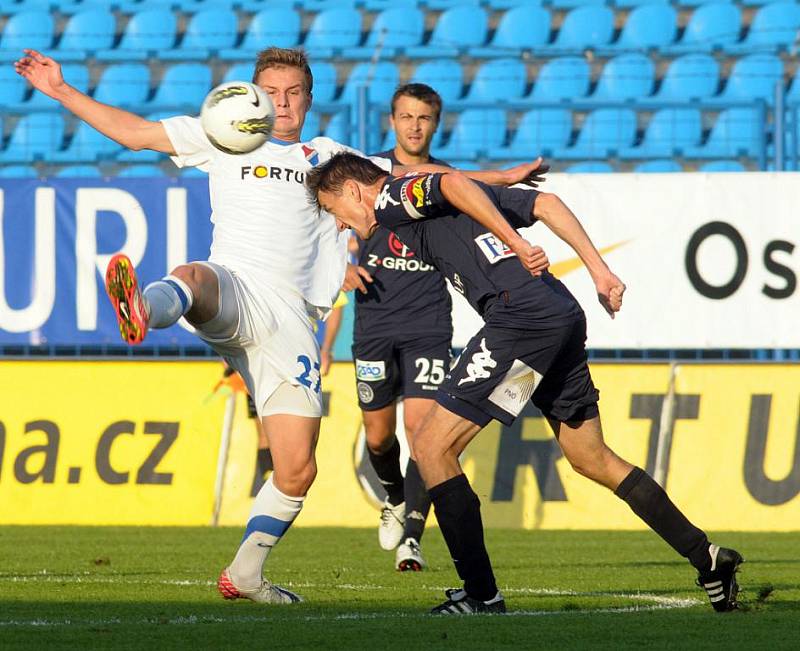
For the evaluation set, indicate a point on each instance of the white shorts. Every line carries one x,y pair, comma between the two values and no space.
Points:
268,338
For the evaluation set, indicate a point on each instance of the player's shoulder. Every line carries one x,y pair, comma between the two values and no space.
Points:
327,147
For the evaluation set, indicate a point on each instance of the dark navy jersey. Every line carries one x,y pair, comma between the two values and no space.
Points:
478,265
407,295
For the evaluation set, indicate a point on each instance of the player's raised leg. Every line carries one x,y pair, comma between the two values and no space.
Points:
585,449
293,441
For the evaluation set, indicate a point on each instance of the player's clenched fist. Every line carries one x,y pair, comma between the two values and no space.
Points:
609,292
533,258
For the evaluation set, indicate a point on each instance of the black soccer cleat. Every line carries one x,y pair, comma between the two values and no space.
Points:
459,603
720,581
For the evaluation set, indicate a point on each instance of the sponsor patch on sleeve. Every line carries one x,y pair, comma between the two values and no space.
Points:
370,371
416,195
492,248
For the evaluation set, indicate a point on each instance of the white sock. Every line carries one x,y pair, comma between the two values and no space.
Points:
271,516
167,301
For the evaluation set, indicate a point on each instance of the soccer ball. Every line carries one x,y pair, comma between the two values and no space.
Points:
237,117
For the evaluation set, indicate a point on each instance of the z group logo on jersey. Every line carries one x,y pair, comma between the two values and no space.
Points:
492,248
370,371
415,194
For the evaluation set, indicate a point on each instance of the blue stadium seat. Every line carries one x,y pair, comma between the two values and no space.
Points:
498,80
383,79
737,132
712,26
456,30
445,76
182,89
311,126
698,3
192,172
648,26
722,166
75,74
753,77
239,72
625,77
16,6
539,132
12,88
27,29
475,133
631,4
87,146
277,26
603,134
208,32
34,137
590,167
658,166
18,172
501,5
380,5
523,27
140,171
439,5
757,3
332,30
573,4
123,84
325,83
587,27
669,132
774,28
793,95
148,32
324,5
338,128
692,76
395,29
85,33
564,78
79,171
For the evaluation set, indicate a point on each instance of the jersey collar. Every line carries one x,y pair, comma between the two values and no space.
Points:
278,141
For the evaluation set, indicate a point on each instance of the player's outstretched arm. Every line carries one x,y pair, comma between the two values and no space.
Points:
530,174
467,197
128,129
551,211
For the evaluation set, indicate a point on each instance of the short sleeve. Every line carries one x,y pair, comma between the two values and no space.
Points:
516,204
192,147
409,198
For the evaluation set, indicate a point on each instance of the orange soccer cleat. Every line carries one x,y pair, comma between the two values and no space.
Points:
123,290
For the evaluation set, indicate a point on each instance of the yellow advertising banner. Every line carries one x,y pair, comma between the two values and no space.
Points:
138,443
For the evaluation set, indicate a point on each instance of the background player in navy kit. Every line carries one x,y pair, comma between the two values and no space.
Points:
401,339
532,346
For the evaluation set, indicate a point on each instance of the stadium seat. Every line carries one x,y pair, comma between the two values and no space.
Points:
182,89
439,5
668,133
325,83
564,78
380,5
140,171
123,84
79,171
34,137
604,133
475,133
590,167
333,30
698,3
381,79
311,126
324,5
86,146
18,172
523,27
736,132
692,76
625,77
445,75
75,74
658,166
12,88
148,31
648,26
338,128
239,72
277,26
27,29
498,80
394,29
456,30
141,156
587,27
711,27
85,33
192,172
208,32
753,77
573,4
722,166
632,4
774,28
539,132
793,95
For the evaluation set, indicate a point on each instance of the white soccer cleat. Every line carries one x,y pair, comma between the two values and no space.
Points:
409,557
266,593
393,520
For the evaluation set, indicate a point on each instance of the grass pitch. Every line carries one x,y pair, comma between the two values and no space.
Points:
97,587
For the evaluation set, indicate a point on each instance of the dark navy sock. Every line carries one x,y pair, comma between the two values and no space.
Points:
418,503
387,467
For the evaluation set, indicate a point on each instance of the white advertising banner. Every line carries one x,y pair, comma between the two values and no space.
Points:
709,260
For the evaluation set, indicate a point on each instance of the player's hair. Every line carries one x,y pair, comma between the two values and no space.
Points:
331,175
278,57
423,93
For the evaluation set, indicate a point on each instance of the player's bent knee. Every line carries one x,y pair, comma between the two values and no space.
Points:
379,440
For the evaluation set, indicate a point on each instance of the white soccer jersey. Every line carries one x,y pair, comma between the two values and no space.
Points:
265,228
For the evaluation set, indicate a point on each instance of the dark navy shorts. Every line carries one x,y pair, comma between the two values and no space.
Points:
502,368
390,367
